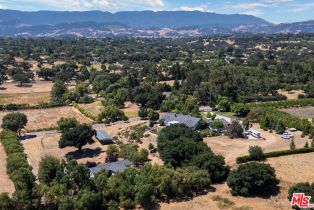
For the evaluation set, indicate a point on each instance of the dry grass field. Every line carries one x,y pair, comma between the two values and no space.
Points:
33,93
206,202
25,98
294,168
6,185
93,108
130,110
233,148
47,118
36,87
291,95
302,112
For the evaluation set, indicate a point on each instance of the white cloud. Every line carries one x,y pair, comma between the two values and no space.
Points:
303,7
257,13
82,5
202,8
249,6
3,7
261,4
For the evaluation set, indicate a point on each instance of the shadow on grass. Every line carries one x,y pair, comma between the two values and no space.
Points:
28,136
84,153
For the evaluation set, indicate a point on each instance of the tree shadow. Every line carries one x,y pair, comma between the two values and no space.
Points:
24,85
28,136
85,153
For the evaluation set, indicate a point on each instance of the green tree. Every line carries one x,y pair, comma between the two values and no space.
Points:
256,153
306,145
213,164
143,113
306,188
88,200
49,167
58,91
77,137
14,121
240,110
3,74
292,145
280,128
65,124
111,113
252,179
153,116
224,104
6,202
234,130
112,152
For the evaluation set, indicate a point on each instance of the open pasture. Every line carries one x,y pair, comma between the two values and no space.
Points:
233,148
47,118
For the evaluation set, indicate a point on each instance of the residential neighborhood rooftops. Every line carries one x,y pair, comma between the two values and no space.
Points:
172,118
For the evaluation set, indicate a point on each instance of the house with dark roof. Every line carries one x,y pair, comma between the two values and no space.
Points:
112,168
103,137
172,118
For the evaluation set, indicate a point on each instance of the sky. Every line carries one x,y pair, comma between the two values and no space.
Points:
275,11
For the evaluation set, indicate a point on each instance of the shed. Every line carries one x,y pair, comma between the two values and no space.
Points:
103,137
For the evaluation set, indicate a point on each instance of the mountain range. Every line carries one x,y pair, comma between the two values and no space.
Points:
143,24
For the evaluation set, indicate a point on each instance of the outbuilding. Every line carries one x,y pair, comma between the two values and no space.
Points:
103,137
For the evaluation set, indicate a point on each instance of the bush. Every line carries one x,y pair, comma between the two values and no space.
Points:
245,159
256,153
252,179
306,188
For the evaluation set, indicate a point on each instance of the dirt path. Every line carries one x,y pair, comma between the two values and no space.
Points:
6,185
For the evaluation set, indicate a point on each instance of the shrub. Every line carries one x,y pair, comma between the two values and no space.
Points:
252,179
245,159
256,153
306,188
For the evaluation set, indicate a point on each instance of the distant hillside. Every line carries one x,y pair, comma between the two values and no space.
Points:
97,24
142,19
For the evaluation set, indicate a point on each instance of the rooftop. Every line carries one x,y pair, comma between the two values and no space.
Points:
180,118
114,166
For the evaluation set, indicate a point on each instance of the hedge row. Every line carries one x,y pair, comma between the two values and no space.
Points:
245,159
18,168
284,104
85,112
14,107
260,98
